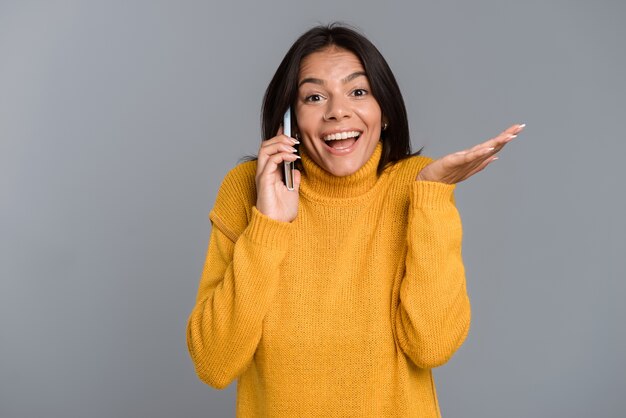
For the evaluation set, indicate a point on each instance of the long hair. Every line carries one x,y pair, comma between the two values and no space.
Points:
282,91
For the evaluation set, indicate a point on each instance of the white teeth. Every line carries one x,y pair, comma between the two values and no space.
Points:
342,135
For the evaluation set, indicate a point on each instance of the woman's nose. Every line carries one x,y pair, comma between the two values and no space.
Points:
337,109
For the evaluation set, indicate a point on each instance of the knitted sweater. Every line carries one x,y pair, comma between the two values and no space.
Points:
341,312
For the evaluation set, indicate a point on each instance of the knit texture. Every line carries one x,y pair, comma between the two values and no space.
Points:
342,312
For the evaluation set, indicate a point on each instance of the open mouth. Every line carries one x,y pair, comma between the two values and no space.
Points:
342,140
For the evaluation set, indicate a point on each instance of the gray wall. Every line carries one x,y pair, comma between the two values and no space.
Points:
118,120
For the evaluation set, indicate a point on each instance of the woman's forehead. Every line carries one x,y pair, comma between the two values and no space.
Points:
331,62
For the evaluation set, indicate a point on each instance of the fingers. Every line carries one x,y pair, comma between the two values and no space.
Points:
495,144
506,136
272,153
281,157
280,138
481,166
470,156
279,144
512,130
480,156
461,165
283,144
269,162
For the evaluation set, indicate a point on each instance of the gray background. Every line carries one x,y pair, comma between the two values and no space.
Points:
119,119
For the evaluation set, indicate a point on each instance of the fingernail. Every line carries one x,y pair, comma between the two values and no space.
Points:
295,141
522,125
495,158
297,156
512,136
490,149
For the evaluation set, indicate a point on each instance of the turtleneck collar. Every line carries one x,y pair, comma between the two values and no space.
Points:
318,182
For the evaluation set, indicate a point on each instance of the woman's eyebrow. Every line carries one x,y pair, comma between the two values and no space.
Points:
353,76
321,82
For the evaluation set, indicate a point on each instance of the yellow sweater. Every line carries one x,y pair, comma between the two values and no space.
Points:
342,312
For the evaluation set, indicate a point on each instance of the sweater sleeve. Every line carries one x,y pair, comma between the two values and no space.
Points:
237,286
433,313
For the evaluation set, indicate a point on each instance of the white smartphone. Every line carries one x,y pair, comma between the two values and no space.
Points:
289,165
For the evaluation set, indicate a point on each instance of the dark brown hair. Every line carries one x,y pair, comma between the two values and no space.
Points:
283,89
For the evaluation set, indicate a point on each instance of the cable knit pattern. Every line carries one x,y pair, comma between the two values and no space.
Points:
342,312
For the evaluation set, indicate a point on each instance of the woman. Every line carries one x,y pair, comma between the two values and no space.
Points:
336,298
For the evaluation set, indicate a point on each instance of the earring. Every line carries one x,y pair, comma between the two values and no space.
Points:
297,136
385,126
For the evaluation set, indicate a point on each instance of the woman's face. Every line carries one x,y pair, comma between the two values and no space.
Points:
339,119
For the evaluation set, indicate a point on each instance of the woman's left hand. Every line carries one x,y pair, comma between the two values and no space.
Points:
454,168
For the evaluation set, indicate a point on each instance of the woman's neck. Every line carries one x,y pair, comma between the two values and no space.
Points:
317,181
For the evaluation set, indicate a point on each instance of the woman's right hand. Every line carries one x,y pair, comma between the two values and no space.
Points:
273,198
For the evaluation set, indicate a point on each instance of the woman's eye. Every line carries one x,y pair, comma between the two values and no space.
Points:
359,92
313,98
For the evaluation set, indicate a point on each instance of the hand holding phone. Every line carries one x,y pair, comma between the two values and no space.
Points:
277,182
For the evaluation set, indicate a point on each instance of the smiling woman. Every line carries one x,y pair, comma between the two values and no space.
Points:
368,66
338,297
339,118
